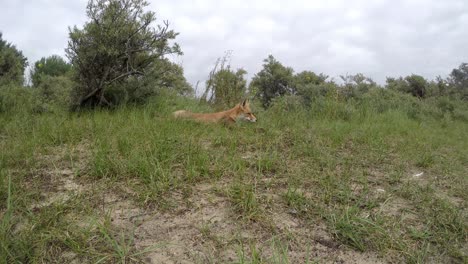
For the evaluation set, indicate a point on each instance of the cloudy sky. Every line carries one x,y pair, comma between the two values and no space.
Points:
378,38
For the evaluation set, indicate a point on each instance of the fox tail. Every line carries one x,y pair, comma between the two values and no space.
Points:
181,114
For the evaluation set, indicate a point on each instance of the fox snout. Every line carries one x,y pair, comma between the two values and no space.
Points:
251,118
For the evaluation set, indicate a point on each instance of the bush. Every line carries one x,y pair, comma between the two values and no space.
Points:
114,52
414,84
355,86
51,66
53,94
458,80
15,98
224,87
312,87
272,81
417,85
444,104
55,91
311,93
12,64
288,103
168,75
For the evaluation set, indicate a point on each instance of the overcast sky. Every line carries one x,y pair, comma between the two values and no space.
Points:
378,38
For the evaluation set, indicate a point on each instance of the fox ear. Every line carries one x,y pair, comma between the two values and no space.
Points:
244,102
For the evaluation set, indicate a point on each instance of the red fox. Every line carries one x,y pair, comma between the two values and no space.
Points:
229,116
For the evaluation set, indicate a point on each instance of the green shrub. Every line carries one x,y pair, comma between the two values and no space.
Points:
355,86
312,92
288,103
55,90
274,80
15,98
12,63
225,87
115,51
51,66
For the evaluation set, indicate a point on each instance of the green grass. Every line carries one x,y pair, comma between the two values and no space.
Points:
346,166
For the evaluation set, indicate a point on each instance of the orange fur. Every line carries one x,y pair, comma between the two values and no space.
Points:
228,116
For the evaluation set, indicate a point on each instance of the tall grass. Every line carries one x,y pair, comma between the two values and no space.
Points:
326,163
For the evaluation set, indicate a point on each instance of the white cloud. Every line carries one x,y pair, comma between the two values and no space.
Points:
378,38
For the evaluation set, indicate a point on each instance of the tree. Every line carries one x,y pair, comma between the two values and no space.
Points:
163,74
309,77
413,84
54,90
458,79
417,85
12,63
272,81
225,87
117,46
53,66
310,86
229,87
170,75
356,85
397,84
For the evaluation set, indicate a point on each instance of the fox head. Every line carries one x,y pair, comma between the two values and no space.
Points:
246,112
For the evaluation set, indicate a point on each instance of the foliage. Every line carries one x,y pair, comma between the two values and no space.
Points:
459,80
116,50
229,87
12,63
15,98
272,81
163,75
309,77
286,104
397,84
51,66
54,91
224,87
52,95
413,84
355,86
438,87
417,85
169,75
312,87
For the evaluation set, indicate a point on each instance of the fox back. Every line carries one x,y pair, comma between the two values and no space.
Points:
241,110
